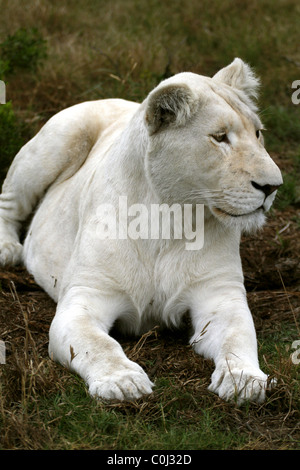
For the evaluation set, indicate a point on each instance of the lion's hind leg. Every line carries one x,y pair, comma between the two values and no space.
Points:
54,154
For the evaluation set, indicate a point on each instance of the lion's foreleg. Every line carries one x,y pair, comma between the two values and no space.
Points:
79,340
224,332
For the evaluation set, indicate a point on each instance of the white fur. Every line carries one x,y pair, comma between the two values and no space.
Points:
161,151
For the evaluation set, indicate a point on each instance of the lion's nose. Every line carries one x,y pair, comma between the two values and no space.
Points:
267,189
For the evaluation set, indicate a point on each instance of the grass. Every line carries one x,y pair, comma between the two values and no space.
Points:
131,431
43,406
97,49
93,49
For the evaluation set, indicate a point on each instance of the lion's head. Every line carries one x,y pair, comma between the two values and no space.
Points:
206,145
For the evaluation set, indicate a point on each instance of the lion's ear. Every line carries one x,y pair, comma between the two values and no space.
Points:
169,104
239,75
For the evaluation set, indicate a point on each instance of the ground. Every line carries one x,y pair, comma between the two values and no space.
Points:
271,268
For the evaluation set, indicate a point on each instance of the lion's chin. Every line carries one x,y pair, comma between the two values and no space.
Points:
247,223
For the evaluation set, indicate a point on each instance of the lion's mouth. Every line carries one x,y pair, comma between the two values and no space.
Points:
230,214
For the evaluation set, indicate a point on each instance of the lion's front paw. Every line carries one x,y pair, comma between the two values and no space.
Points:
10,252
124,384
240,384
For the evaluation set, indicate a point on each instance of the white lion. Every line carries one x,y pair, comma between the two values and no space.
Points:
194,140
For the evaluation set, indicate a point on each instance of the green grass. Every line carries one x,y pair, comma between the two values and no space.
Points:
75,421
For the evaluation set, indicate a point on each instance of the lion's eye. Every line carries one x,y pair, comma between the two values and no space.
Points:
220,137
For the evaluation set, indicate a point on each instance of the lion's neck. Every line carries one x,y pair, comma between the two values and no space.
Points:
128,162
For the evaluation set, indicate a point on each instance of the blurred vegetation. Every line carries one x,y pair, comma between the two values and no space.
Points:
13,133
23,50
54,53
